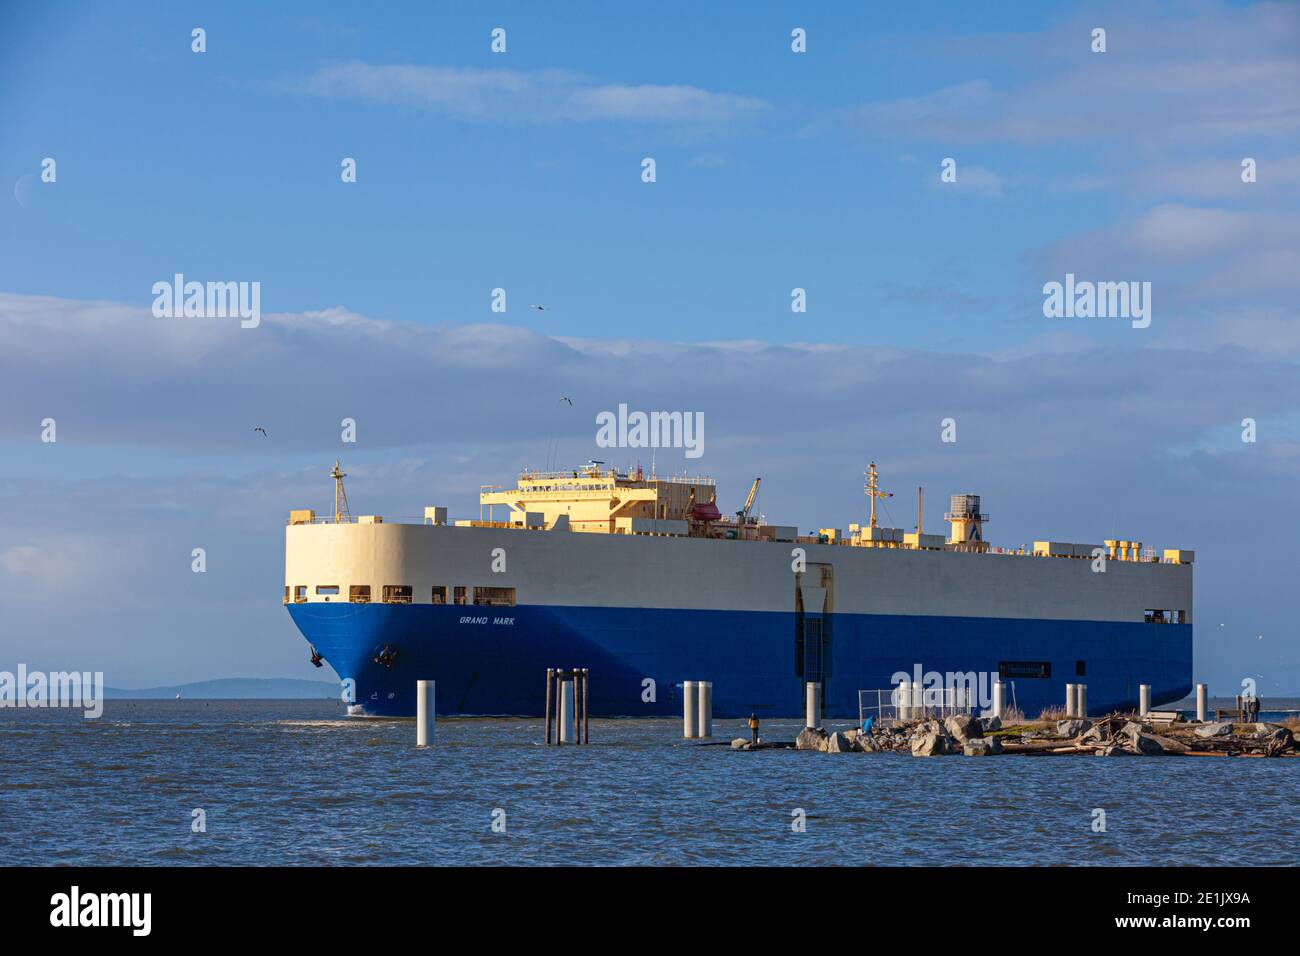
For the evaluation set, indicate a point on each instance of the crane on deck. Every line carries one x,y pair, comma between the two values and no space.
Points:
742,516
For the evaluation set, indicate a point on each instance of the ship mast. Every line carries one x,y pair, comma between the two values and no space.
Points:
341,512
873,491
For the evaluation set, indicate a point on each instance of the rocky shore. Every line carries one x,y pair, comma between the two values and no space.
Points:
1114,735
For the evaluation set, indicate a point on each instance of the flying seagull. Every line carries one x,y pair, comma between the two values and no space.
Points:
565,398
539,308
259,428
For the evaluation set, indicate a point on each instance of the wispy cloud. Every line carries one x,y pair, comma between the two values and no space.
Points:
1213,71
1220,276
513,96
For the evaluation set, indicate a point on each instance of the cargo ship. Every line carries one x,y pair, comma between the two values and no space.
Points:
642,580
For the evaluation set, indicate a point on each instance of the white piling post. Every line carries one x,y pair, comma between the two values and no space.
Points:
424,715
690,709
705,716
1202,702
1144,699
999,698
904,700
812,717
1071,700
568,716
1081,700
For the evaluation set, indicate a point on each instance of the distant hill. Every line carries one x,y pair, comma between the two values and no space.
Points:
235,688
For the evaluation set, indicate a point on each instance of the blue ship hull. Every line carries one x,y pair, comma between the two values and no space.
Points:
486,666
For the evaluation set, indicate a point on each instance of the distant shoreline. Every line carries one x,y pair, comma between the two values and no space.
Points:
234,688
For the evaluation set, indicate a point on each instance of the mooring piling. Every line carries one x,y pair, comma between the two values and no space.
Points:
1071,700
999,699
690,709
904,700
705,708
569,688
813,717
568,733
550,687
1081,700
586,714
1144,699
424,712
1202,702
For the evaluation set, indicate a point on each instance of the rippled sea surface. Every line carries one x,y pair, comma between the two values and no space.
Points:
295,782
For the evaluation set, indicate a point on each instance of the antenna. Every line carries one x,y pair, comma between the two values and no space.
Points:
873,491
341,512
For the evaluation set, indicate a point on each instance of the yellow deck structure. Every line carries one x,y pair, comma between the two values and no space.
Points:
602,500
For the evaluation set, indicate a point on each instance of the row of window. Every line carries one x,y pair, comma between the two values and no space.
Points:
1034,670
1165,616
403,594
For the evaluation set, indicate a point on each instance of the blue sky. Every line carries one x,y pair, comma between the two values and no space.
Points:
775,170
226,164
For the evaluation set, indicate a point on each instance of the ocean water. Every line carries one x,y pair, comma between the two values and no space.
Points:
296,782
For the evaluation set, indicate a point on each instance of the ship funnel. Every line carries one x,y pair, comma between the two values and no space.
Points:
967,523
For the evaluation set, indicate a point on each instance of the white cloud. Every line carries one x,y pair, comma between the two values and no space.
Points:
971,180
545,96
1210,71
1219,276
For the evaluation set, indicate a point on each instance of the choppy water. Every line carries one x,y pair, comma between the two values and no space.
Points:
294,782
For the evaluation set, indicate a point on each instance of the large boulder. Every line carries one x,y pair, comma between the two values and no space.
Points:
1146,744
1133,728
1110,750
990,724
739,743
982,747
810,738
865,743
930,743
1093,735
1072,728
1169,745
963,727
838,743
1216,729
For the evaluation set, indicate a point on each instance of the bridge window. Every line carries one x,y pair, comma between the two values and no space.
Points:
326,589
440,594
495,597
1164,616
459,594
286,594
397,594
359,594
299,593
1024,670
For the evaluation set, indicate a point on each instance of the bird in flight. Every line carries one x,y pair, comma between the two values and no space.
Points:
565,398
259,428
539,308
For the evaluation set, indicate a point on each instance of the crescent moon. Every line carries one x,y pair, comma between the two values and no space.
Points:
21,187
